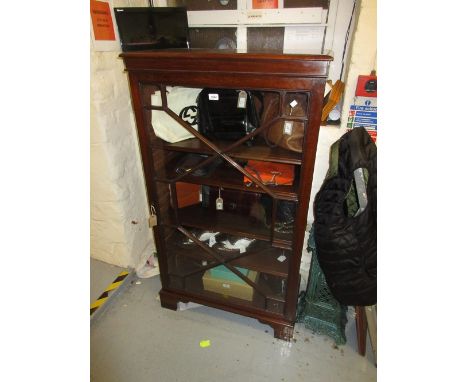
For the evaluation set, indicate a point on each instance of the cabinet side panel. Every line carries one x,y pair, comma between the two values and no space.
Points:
138,97
306,175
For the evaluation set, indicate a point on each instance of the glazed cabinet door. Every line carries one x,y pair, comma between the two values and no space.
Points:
226,230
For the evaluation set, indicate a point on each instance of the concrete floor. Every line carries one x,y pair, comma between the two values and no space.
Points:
134,339
101,275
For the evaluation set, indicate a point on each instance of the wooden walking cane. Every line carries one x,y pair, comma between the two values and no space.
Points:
334,98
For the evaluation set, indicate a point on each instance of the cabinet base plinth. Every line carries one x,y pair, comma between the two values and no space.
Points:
168,300
281,331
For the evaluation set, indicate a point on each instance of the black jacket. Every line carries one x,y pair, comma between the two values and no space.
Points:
347,244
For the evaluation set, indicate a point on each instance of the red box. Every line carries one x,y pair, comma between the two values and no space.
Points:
371,82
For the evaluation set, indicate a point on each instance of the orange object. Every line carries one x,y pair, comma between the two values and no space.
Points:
333,99
269,173
102,21
187,194
264,4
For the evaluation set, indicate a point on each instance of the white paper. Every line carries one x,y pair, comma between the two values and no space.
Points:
303,39
240,244
212,241
211,236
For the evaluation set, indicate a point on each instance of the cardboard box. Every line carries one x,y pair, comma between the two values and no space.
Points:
223,272
229,286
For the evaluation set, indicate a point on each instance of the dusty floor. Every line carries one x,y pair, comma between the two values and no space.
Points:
134,339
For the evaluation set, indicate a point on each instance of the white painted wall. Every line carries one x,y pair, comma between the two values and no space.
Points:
118,194
119,229
362,59
327,136
363,52
338,21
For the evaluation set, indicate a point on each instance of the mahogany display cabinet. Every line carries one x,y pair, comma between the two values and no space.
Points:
262,280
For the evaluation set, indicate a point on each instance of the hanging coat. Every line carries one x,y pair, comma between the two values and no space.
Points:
346,240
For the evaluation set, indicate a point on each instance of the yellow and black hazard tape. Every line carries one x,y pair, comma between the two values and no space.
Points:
105,295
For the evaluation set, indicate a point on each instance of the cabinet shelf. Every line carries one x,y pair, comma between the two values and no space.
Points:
226,176
258,151
196,216
263,258
178,266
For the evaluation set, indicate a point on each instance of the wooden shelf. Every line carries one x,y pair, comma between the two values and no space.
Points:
265,262
197,216
259,150
260,256
226,176
178,266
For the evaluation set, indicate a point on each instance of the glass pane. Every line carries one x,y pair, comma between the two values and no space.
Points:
265,39
233,208
182,102
306,3
198,268
197,5
231,211
224,121
283,222
276,287
213,38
